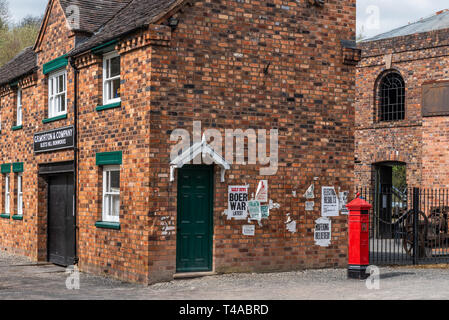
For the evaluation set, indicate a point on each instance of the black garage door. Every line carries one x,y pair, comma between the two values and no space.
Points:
61,220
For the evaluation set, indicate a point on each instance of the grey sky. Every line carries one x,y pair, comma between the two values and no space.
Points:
395,13
22,8
392,13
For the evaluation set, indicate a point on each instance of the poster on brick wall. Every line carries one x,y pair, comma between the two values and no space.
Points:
310,193
262,191
329,202
265,210
238,202
255,212
343,201
310,205
249,230
323,232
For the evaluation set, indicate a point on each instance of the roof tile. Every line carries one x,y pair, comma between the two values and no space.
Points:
22,64
104,19
94,13
138,14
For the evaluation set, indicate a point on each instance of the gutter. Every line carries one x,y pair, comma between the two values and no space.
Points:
77,52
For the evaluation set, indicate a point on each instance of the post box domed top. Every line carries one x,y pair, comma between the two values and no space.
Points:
358,204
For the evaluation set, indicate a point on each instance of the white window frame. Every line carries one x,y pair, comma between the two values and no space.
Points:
7,195
19,195
19,111
108,196
106,81
53,96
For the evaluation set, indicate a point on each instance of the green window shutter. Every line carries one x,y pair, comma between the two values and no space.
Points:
6,168
109,158
17,167
56,64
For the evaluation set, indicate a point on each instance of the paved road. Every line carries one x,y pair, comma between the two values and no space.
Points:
20,279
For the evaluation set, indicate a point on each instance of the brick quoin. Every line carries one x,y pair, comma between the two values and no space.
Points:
231,65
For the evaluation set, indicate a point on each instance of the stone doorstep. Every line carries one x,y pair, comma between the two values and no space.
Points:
190,275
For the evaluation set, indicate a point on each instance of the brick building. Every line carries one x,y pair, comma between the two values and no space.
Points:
87,116
401,105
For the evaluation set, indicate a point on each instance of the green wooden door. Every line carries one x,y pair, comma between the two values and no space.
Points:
195,219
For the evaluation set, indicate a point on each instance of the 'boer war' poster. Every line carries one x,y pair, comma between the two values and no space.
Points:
238,202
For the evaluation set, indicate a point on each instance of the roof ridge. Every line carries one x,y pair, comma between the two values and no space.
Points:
21,64
134,15
115,15
22,52
434,15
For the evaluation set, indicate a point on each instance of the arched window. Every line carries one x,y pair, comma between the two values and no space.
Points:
392,97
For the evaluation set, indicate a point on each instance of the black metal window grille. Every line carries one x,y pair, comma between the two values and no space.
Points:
392,98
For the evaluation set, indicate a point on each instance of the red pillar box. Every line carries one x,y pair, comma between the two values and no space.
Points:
358,238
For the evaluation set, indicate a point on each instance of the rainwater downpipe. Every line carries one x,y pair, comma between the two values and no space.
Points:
75,154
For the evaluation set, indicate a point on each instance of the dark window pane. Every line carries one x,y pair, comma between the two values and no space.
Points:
115,181
108,72
60,83
115,67
62,99
116,89
392,97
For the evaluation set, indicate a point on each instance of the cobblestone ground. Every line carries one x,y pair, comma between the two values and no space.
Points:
20,279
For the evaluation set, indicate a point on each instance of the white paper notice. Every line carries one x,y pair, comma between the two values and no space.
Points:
310,205
238,202
249,230
310,193
262,191
343,201
291,227
323,232
290,224
329,202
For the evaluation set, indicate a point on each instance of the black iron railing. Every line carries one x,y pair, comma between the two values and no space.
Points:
408,226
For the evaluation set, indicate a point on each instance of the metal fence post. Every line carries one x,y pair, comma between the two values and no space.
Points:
415,225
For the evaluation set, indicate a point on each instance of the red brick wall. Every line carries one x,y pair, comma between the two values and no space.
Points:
213,71
419,142
211,68
435,156
122,254
28,236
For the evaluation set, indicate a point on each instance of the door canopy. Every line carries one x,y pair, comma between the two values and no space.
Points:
199,148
